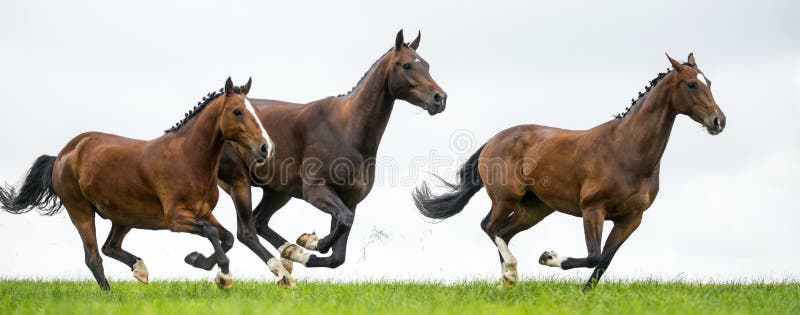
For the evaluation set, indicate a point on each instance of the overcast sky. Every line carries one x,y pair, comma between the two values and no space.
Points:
727,206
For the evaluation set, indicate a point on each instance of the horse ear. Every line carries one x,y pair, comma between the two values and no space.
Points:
246,87
228,86
398,41
675,63
691,60
415,43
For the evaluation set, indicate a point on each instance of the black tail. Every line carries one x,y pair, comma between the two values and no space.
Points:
36,192
449,204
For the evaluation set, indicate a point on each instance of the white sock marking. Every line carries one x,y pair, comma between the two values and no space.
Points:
554,261
225,276
509,266
311,242
297,255
277,268
504,251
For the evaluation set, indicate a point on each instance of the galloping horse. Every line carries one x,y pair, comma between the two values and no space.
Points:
609,172
166,183
326,154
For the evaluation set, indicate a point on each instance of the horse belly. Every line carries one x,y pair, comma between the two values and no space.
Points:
140,215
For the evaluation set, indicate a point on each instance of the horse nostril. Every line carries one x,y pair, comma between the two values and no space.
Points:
264,148
716,122
437,98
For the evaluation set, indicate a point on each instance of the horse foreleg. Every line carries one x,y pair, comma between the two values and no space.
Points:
323,245
257,223
339,253
622,229
199,260
593,232
113,248
187,221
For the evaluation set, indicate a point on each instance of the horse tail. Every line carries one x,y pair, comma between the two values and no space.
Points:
450,203
36,192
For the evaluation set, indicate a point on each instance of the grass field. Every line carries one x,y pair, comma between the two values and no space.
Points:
251,297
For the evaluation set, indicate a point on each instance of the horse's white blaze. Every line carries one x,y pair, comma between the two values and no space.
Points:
252,110
702,78
509,266
417,60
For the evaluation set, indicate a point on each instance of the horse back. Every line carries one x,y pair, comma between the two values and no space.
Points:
106,170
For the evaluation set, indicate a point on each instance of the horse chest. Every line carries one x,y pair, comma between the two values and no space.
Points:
634,198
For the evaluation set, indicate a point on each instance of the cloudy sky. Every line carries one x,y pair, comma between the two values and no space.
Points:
726,208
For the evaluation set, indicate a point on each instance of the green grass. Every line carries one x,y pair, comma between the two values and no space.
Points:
542,296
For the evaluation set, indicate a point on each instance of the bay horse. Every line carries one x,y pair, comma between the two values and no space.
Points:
609,172
326,154
166,183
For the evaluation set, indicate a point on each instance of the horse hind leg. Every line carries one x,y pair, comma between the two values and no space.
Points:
113,248
531,211
82,216
498,215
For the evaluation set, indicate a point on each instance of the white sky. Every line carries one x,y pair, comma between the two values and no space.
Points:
726,209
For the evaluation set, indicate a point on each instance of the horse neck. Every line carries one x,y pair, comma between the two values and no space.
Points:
368,108
645,130
200,141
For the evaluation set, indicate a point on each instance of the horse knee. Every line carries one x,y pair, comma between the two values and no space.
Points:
246,237
227,240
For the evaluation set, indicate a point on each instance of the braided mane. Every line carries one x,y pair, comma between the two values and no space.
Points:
368,71
647,89
199,107
642,95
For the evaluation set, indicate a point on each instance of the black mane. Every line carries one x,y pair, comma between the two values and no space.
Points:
642,95
198,108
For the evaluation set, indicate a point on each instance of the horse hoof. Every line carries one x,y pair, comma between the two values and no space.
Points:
224,281
287,264
287,283
507,282
140,272
308,241
197,260
551,259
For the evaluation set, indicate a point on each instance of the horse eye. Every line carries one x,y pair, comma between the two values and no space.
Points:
406,66
692,85
237,112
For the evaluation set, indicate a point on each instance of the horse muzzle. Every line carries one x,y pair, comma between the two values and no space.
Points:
437,103
264,152
716,125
